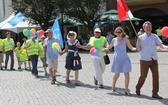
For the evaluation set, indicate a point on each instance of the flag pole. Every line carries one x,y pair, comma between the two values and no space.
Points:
132,25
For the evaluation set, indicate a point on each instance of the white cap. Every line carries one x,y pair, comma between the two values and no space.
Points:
97,30
48,30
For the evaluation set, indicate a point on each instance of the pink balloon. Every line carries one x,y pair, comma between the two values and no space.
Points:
92,50
41,32
165,31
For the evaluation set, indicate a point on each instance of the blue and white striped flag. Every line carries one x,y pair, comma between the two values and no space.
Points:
16,19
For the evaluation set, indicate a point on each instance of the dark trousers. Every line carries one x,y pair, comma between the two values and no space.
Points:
11,54
34,60
144,67
161,38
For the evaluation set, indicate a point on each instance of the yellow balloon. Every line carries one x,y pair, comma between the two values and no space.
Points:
56,46
33,31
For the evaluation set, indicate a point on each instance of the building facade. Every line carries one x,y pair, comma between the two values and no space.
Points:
5,9
2,10
155,11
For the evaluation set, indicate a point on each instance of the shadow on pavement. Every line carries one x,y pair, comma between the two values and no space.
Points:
72,84
164,101
121,92
9,70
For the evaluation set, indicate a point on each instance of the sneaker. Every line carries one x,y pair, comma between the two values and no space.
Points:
1,68
37,76
95,81
12,69
100,86
26,69
19,67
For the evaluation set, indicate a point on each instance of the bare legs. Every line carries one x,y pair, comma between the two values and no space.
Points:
127,78
52,73
114,81
45,67
67,77
76,76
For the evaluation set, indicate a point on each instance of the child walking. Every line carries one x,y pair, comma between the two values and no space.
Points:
72,58
23,56
17,52
25,45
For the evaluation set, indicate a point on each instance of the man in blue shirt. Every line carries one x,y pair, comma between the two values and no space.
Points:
51,57
147,44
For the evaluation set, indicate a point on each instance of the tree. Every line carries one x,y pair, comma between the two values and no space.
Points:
40,11
88,11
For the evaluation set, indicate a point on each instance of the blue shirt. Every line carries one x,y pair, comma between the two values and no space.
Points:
148,46
49,51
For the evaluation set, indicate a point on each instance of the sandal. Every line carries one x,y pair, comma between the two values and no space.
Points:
77,84
68,81
53,82
54,79
127,93
113,89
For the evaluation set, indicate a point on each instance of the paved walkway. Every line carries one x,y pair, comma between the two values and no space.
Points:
21,88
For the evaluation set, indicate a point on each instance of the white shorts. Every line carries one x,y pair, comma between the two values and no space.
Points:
52,63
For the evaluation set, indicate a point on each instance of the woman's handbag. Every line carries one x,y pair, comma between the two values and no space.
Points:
106,59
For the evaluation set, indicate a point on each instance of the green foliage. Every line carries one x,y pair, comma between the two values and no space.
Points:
85,10
83,31
126,29
40,11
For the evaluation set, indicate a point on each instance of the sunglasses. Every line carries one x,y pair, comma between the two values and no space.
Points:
119,32
98,32
71,35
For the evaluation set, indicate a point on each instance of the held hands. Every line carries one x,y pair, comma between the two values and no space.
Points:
105,49
166,47
78,45
61,53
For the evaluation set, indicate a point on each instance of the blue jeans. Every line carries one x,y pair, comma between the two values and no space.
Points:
34,60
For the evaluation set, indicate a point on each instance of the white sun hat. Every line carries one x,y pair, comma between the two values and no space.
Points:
71,32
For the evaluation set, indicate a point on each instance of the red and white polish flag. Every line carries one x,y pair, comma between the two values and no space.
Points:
123,10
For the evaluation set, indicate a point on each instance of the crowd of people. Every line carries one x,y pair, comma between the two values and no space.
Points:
31,49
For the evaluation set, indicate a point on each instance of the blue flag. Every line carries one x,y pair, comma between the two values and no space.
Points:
57,32
16,19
